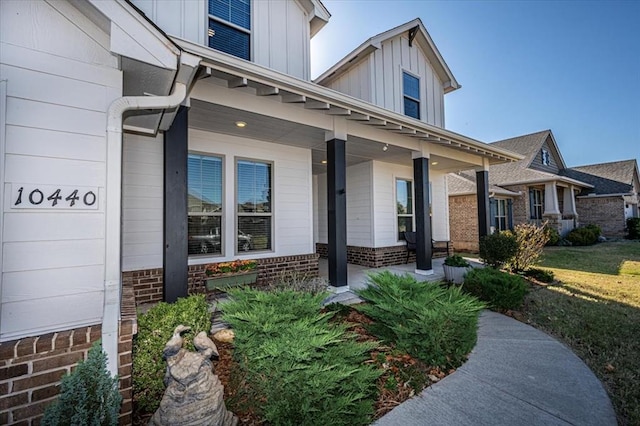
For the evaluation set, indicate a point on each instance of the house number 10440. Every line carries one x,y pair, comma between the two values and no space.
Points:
33,196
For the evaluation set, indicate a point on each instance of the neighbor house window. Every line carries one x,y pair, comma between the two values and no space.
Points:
537,204
230,27
404,206
204,182
254,201
501,222
411,93
546,158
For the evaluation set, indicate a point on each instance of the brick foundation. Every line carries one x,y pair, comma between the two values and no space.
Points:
147,284
31,369
376,257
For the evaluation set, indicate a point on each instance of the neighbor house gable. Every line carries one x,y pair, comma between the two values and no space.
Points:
618,177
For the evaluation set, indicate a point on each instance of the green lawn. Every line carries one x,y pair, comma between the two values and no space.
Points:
595,309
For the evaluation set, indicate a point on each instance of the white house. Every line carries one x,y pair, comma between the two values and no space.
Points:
142,140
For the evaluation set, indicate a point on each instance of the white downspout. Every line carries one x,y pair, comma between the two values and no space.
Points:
111,311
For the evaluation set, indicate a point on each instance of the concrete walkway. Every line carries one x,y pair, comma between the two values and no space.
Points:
516,375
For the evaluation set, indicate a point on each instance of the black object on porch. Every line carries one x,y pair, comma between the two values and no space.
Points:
423,218
337,210
482,193
436,246
175,251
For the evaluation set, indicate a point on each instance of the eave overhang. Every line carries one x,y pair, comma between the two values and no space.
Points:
242,73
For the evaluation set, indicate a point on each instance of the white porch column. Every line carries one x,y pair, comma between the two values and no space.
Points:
569,206
551,199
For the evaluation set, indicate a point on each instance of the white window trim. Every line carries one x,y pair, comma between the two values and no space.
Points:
503,201
231,25
421,113
222,210
546,158
395,205
236,215
541,204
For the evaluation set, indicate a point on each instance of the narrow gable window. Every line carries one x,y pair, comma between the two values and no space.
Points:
230,27
546,159
411,93
204,182
404,207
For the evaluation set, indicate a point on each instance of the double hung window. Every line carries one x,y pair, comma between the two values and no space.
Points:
254,182
404,206
230,27
204,183
537,204
502,212
411,94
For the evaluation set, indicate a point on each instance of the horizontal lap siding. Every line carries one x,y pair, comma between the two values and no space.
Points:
58,91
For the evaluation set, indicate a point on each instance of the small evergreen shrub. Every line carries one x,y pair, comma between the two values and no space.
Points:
456,261
584,236
88,396
541,275
633,228
500,290
435,324
155,328
531,240
554,236
496,249
297,366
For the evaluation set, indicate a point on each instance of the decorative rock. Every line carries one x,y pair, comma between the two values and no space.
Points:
224,336
194,395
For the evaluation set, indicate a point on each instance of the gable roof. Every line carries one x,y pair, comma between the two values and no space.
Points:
421,36
464,183
530,145
607,178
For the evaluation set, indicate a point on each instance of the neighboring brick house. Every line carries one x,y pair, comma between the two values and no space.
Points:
533,190
614,197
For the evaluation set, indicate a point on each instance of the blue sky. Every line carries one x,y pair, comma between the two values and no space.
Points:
524,66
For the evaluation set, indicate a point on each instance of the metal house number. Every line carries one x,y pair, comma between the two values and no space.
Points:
33,196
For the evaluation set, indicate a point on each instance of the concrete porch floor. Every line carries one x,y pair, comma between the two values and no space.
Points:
357,277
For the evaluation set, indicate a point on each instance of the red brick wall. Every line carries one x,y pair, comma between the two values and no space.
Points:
463,222
606,212
31,368
147,284
377,257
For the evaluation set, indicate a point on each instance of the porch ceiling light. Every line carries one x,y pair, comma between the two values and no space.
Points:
241,124
435,163
324,161
385,147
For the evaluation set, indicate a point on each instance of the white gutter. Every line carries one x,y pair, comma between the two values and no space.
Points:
187,67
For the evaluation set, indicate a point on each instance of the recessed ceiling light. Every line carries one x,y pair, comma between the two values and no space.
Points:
435,163
240,124
324,161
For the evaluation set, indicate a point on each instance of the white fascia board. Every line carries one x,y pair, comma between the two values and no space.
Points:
552,178
242,68
347,62
135,37
604,195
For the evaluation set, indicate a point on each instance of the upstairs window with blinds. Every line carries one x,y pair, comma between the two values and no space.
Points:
411,93
254,200
204,188
404,206
230,27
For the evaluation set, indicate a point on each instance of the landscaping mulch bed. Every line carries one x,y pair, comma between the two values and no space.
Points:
403,376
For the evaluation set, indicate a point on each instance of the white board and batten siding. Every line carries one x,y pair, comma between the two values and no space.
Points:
60,79
377,78
359,206
280,30
142,192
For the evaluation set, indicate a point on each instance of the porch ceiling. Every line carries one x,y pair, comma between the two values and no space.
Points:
222,119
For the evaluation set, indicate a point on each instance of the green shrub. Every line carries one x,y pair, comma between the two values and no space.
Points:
297,367
435,324
88,396
541,275
633,228
584,236
554,236
531,240
501,290
457,261
496,249
155,328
